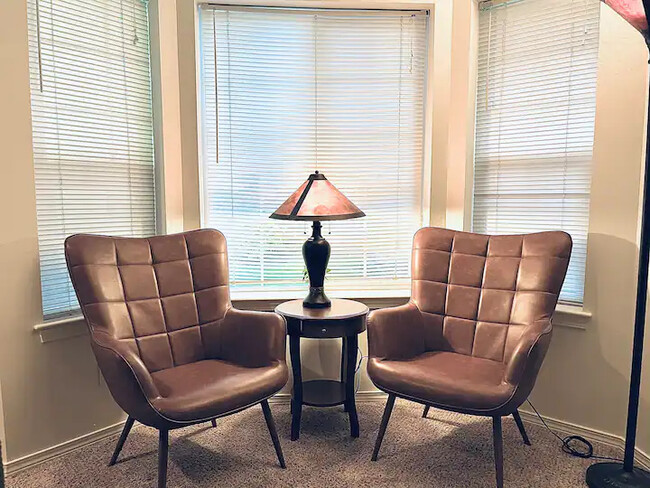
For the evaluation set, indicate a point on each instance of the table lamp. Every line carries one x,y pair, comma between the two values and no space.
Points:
316,200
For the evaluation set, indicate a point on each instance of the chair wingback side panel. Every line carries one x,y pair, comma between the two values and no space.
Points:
165,296
478,293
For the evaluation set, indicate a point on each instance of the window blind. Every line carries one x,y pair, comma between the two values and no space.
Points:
535,122
285,92
92,129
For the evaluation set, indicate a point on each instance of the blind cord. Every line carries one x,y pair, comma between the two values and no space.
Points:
38,46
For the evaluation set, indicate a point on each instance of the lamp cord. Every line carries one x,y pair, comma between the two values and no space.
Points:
574,445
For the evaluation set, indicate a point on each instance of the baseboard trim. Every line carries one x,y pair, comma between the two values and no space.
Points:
568,428
559,426
16,465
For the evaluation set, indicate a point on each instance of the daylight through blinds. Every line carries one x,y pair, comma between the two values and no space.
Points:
285,92
535,114
92,128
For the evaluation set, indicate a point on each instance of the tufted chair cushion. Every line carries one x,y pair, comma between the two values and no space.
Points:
167,339
160,296
478,324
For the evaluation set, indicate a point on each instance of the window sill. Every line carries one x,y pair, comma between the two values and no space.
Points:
268,300
60,329
572,316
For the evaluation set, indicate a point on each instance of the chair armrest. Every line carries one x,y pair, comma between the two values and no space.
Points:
396,332
253,339
120,363
127,378
527,356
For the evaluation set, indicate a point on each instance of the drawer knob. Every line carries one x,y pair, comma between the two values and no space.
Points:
323,330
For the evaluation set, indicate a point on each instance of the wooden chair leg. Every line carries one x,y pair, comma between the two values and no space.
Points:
120,442
274,433
163,449
214,422
520,426
384,423
498,450
426,411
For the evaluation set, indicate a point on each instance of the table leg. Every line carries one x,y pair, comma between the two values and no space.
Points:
351,359
296,397
344,364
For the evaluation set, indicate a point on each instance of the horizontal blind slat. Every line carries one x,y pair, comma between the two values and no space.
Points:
92,129
535,122
287,92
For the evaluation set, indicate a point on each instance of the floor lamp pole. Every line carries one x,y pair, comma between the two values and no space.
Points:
617,475
640,314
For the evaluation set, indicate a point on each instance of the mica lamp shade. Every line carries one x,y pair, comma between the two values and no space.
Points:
317,199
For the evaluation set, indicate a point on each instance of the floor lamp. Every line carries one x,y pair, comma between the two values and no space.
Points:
625,475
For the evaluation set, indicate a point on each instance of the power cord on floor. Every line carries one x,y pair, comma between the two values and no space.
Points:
574,445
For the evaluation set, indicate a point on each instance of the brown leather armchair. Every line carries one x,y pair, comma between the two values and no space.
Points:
476,330
173,350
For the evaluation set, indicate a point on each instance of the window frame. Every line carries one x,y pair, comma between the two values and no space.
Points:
58,318
568,307
388,297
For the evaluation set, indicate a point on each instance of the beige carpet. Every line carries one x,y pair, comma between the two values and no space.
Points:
446,450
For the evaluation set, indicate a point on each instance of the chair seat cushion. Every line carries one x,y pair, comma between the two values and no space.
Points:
210,388
445,379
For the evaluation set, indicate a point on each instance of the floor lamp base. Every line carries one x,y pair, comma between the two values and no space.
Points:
612,475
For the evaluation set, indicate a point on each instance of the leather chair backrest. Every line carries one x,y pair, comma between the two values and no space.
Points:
163,296
478,293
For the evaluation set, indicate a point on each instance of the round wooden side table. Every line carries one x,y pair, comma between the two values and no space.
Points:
344,319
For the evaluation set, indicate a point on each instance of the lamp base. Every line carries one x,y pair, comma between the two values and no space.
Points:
316,252
612,475
316,298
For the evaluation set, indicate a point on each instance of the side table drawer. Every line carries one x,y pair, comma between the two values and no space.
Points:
329,328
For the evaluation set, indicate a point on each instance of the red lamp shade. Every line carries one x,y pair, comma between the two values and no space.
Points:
317,199
633,11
